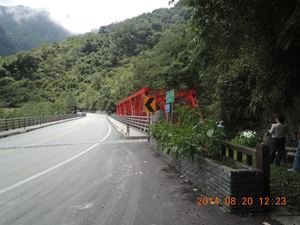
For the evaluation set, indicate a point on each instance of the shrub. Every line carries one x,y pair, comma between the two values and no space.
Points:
190,136
247,137
35,109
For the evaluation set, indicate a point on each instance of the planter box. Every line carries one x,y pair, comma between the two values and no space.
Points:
223,182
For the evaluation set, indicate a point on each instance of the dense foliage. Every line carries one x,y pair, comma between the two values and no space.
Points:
247,53
248,138
35,109
193,134
23,28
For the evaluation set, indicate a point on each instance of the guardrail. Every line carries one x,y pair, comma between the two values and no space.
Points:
14,123
139,122
258,158
239,153
248,155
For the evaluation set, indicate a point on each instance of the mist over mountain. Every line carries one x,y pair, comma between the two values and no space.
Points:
23,28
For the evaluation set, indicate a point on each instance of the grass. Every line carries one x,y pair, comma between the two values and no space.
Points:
282,183
286,184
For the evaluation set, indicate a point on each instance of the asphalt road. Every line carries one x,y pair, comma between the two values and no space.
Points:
83,173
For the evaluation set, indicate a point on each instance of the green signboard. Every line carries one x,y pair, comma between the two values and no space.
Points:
170,96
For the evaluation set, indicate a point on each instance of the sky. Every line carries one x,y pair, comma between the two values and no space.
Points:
80,16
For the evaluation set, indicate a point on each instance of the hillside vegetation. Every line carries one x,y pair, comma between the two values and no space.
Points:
95,70
23,28
248,55
242,57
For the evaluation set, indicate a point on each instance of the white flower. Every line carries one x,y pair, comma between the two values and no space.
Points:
248,134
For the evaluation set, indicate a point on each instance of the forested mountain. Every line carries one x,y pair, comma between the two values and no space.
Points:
241,56
95,70
23,28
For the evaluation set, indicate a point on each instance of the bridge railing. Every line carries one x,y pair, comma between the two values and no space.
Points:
248,155
14,123
239,153
139,122
258,158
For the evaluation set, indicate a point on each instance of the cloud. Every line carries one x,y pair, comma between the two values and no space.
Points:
84,15
21,13
6,2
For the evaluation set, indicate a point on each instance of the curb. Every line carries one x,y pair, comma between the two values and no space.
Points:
28,129
124,135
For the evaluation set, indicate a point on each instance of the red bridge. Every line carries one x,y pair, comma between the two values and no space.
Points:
134,104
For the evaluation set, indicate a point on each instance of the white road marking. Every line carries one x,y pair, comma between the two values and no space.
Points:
109,130
84,206
33,177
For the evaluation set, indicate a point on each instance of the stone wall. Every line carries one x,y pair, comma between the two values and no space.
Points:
216,180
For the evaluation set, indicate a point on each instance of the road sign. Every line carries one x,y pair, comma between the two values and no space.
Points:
149,104
170,96
168,108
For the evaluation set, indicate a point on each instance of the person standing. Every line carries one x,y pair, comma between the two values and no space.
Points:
296,164
278,132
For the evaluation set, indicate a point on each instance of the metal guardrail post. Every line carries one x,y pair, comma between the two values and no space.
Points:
148,130
128,129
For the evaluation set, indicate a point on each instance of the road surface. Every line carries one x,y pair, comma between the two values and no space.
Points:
83,173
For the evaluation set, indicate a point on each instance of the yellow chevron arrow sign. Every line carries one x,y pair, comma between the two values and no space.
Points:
149,104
